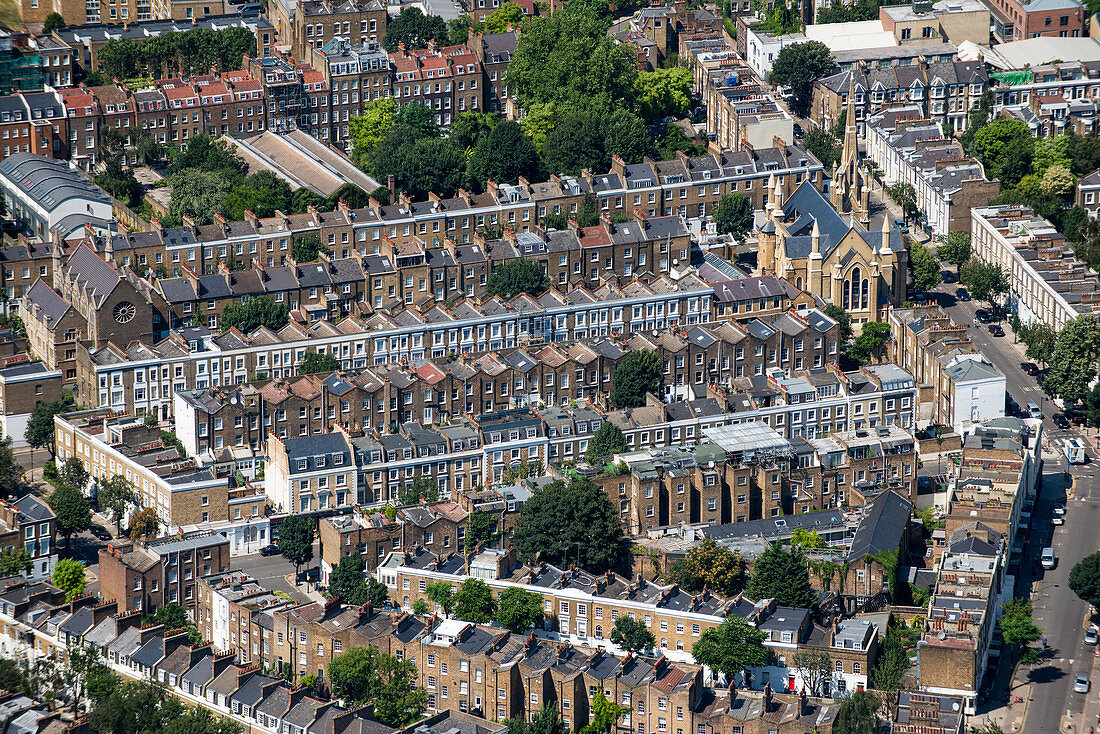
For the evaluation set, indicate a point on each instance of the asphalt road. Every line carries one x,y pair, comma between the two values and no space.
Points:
272,571
1056,609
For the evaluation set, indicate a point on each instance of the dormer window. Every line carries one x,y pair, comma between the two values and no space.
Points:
320,462
301,464
338,459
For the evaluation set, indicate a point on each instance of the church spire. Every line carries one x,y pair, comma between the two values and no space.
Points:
850,154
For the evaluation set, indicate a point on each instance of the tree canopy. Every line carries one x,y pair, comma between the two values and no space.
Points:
712,566
474,602
53,22
415,30
518,275
1073,365
546,720
638,373
176,54
1004,146
798,66
1084,579
348,582
364,675
503,154
71,508
570,523
70,577
314,362
250,315
664,92
296,540
858,714
1018,629
631,635
733,215
518,609
731,647
871,337
607,440
782,575
40,427
987,281
924,267
955,248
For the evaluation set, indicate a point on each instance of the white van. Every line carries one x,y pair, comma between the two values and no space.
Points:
1075,451
1047,559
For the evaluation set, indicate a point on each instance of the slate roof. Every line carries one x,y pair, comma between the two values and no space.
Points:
92,273
52,304
882,527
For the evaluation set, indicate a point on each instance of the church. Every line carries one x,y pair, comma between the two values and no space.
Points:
827,248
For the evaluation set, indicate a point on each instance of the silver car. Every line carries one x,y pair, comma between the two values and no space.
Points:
1081,683
1091,635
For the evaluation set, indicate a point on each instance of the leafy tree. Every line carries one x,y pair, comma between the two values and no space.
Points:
458,30
1004,147
889,672
814,668
40,428
73,474
674,141
1084,154
823,145
10,471
987,281
733,215
503,154
561,523
955,248
858,714
442,594
871,338
1058,181
363,675
346,579
519,610
198,194
296,540
712,566
1018,629
925,267
782,575
481,527
69,576
174,54
144,523
664,92
302,199
250,315
71,508
638,373
13,561
843,319
115,497
420,164
1051,151
512,277
53,22
1040,340
474,602
607,440
806,539
508,15
798,66
625,135
631,635
414,29
420,608
605,714
12,677
1073,364
575,143
263,193
905,196
314,362
567,58
421,486
731,647
546,720
1084,579
781,20
369,128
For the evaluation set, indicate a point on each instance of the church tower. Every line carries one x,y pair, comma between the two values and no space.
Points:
851,191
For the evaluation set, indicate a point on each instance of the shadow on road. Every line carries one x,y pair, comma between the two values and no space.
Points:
1045,674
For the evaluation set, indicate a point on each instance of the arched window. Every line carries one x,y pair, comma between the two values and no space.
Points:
798,283
599,632
664,643
866,293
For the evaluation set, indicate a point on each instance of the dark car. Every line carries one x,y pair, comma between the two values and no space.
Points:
1029,368
798,133
961,294
100,532
1060,420
1011,406
919,297
983,316
948,277
269,550
996,330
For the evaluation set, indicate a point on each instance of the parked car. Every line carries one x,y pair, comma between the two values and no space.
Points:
962,294
1091,635
948,277
1060,420
902,226
1081,683
919,297
100,532
1057,520
1047,559
983,316
269,550
1059,510
1029,368
250,9
798,133
1033,411
996,330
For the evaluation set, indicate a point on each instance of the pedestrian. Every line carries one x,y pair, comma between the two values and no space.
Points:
1044,641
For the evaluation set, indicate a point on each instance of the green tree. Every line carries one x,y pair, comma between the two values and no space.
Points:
247,316
346,579
1084,579
69,576
905,196
13,679
116,496
888,675
458,30
314,362
924,266
40,427
806,539
519,610
363,675
73,474
843,319
823,145
71,508
481,527
306,248
712,566
731,647
1050,151
1018,629
639,373
369,128
421,487
53,22
631,635
674,141
607,440
171,615
420,164
414,29
1058,181
782,575
955,248
503,154
563,523
575,143
546,720
14,561
1040,340
474,602
870,340
441,594
605,714
664,92
198,194
296,540
781,20
798,66
858,714
302,199
508,15
144,522
263,193
1004,147
1084,154
733,215
814,668
987,281
420,608
1073,364
519,275
10,471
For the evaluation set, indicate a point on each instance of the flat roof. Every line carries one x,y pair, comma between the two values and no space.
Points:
753,436
300,160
